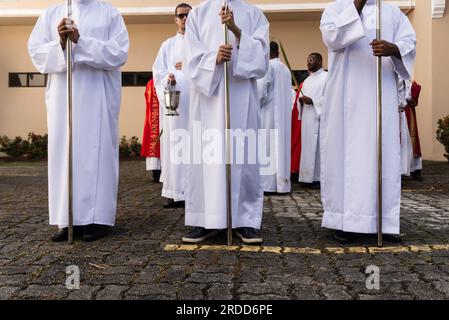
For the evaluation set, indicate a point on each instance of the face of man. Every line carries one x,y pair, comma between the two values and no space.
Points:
313,63
181,18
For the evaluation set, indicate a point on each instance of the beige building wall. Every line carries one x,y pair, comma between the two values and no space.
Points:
22,109
432,72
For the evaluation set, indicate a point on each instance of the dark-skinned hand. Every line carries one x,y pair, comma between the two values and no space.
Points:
382,48
224,54
65,32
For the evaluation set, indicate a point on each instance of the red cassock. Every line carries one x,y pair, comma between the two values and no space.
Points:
296,136
410,112
151,143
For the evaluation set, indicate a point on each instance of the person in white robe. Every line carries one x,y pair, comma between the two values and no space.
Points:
348,121
310,99
168,70
204,57
406,142
100,48
276,118
410,164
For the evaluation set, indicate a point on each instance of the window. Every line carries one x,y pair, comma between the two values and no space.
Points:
136,79
300,75
37,80
27,79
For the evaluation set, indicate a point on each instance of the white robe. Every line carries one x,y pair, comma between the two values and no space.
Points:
206,195
276,114
348,121
100,52
406,143
173,174
313,87
409,163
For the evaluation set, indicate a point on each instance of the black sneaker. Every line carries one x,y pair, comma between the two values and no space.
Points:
342,237
94,232
248,235
198,235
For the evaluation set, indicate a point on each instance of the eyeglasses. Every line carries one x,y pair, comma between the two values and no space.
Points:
182,15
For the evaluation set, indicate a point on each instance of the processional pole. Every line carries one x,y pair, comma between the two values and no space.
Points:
69,127
379,124
228,136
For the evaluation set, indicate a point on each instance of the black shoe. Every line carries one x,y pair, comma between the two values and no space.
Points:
156,176
248,235
394,238
342,237
174,204
63,233
417,175
94,232
316,185
198,235
270,193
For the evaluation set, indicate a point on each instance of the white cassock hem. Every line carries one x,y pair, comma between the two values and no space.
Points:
153,164
360,223
176,196
85,223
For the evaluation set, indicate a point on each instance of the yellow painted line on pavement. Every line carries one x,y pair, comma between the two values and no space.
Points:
310,251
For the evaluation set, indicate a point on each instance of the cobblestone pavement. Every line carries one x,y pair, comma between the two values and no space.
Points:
143,259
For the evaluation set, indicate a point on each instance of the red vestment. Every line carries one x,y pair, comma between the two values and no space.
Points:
150,142
410,112
296,136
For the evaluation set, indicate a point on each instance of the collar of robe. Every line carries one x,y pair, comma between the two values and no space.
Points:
317,72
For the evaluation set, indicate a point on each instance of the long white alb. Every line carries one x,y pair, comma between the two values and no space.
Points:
173,171
206,192
313,87
97,57
276,118
348,121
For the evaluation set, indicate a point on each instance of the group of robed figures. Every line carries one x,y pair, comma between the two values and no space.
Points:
339,105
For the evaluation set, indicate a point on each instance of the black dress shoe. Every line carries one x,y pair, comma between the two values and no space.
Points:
394,238
61,235
316,185
248,235
156,176
94,232
417,175
174,204
342,237
198,235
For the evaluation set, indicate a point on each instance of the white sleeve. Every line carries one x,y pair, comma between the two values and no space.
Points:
105,55
341,27
46,53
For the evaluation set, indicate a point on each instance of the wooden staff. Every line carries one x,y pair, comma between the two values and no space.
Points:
228,137
69,128
379,124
